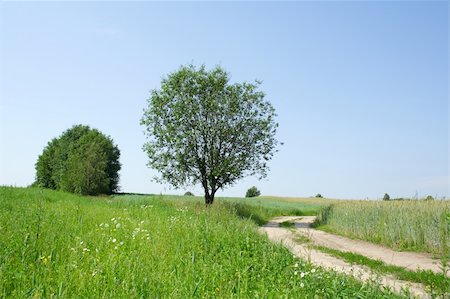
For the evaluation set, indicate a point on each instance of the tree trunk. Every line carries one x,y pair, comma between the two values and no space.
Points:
209,198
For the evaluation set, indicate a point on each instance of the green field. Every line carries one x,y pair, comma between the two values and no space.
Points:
58,245
402,225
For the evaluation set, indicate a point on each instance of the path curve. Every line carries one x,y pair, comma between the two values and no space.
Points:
287,237
409,260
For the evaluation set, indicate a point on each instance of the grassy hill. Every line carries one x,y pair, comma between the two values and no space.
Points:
59,245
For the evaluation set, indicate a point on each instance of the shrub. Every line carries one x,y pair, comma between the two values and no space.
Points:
429,197
188,193
82,160
253,192
386,197
318,195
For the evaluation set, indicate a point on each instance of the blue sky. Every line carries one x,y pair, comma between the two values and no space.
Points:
360,88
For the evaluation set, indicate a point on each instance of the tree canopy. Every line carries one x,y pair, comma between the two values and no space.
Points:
82,160
203,129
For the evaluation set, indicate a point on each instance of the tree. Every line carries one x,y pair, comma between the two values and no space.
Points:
82,160
253,192
386,197
203,129
318,195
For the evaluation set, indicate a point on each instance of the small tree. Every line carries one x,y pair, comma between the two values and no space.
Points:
188,193
253,192
203,129
429,197
318,195
386,197
82,160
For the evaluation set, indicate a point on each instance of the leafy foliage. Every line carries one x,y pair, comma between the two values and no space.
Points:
253,192
82,160
386,197
203,129
188,193
318,195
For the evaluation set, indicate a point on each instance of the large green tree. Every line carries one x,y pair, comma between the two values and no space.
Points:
203,129
82,160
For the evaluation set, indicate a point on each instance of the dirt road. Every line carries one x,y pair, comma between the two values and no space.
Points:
408,260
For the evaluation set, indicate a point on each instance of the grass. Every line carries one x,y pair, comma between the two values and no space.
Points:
58,245
401,225
287,224
262,209
436,284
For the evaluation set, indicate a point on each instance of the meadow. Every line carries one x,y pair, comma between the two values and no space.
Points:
411,225
58,245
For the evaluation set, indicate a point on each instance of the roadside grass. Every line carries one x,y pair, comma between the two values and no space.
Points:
58,245
436,284
402,225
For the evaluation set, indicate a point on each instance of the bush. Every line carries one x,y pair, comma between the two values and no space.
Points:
386,197
429,197
188,193
318,195
253,192
82,160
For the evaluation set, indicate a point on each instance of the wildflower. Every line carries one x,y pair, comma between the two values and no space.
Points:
302,285
118,225
114,240
295,272
296,265
115,247
106,225
113,219
101,225
302,275
313,270
82,242
121,243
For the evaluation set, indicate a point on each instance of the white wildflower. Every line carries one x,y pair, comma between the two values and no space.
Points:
114,240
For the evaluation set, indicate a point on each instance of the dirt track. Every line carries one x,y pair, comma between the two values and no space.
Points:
412,261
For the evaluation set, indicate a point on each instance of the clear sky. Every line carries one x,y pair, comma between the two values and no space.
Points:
361,88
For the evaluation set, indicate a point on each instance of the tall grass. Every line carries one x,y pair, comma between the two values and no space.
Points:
57,245
403,225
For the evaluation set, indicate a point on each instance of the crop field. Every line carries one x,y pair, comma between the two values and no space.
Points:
402,225
57,245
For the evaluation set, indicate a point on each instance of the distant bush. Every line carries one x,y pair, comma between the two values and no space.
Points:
386,197
429,197
188,193
253,192
318,195
82,160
